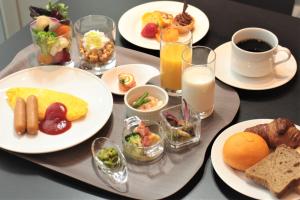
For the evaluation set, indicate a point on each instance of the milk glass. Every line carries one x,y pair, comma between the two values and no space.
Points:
198,80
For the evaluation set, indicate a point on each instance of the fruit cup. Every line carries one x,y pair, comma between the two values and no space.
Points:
53,39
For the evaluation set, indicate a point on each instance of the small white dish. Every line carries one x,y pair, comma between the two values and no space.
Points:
234,178
282,74
134,93
142,74
130,23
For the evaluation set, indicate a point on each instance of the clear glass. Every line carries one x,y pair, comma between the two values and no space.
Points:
115,175
53,39
198,79
184,132
170,62
95,36
140,154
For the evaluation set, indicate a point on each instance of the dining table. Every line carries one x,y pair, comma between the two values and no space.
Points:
22,179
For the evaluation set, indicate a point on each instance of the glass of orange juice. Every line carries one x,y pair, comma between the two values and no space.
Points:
171,47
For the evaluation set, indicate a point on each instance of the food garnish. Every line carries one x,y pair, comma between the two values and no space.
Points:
109,156
77,108
141,100
150,30
183,22
55,10
146,102
126,81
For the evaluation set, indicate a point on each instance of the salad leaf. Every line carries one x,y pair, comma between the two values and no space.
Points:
58,10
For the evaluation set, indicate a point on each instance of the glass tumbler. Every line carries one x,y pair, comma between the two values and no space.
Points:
198,80
53,39
95,36
170,60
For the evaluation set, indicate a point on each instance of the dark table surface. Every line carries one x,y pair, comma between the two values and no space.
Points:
20,179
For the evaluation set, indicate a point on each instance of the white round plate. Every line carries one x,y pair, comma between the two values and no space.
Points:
63,79
142,74
234,178
130,23
282,74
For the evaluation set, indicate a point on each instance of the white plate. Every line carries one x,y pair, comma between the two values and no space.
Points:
142,74
282,74
236,179
130,23
64,79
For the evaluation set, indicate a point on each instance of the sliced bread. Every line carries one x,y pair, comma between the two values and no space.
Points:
278,171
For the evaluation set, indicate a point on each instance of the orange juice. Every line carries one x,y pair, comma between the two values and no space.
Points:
170,65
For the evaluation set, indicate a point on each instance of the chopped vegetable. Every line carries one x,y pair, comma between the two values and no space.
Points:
109,156
141,100
55,10
134,138
45,40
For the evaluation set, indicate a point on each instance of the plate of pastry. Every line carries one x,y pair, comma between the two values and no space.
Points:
260,158
141,25
44,110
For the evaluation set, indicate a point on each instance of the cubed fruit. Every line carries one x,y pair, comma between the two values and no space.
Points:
63,30
62,57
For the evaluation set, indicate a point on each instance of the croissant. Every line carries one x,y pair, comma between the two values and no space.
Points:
279,131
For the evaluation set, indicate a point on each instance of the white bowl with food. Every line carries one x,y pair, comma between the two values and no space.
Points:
145,101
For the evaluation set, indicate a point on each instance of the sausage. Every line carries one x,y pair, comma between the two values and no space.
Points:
32,115
20,116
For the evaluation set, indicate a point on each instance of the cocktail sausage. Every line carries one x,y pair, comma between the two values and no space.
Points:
32,115
20,116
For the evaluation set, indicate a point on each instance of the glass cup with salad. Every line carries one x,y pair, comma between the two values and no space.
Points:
51,33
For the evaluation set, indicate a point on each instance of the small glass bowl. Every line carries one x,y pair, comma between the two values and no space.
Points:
178,137
116,174
140,154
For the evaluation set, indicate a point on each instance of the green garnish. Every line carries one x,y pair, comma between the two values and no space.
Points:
141,100
61,8
109,156
45,40
134,138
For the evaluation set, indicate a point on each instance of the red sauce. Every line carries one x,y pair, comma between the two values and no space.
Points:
55,121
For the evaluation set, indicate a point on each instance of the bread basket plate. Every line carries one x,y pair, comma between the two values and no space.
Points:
130,23
234,178
73,81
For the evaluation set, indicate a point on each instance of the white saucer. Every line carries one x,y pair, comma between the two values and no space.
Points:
142,74
282,74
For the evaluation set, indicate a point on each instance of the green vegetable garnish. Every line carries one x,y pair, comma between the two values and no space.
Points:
141,100
45,40
134,138
109,156
61,8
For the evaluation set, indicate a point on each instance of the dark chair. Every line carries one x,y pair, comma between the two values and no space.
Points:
282,6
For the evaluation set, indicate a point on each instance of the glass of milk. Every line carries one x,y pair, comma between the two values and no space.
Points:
198,80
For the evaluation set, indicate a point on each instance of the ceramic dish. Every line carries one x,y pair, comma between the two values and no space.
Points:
63,79
283,73
142,74
236,179
136,92
132,19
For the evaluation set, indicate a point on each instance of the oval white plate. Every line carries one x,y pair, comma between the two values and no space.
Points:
236,179
130,24
283,73
64,79
142,74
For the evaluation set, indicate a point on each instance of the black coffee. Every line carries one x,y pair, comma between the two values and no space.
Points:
254,45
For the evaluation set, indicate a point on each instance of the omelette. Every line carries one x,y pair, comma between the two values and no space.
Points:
76,107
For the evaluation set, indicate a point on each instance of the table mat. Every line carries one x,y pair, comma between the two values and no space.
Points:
154,181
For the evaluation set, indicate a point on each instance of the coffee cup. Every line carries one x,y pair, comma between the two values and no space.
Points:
254,52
